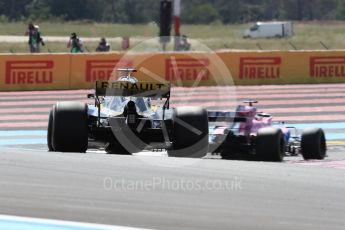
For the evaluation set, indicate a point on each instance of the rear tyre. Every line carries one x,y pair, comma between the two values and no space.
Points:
50,130
70,127
270,144
313,144
190,133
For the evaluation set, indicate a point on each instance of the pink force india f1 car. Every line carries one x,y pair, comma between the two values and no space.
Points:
248,134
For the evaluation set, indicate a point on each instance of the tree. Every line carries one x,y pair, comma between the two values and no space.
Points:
77,9
229,10
203,13
340,12
14,9
193,11
38,10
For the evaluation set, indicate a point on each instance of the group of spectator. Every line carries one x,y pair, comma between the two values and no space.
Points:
75,44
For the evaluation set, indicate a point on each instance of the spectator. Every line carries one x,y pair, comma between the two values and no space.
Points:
75,43
103,46
185,45
125,43
35,39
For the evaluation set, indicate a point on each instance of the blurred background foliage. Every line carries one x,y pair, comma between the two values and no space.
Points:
193,11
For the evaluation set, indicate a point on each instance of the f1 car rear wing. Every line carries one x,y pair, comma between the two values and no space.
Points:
138,89
216,116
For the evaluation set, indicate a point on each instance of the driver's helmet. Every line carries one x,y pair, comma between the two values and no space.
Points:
130,79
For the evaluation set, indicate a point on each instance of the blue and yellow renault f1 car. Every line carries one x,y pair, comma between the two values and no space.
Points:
124,120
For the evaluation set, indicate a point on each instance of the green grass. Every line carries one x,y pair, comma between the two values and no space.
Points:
307,35
83,29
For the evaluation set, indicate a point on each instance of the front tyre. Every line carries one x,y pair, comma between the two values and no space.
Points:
313,144
270,144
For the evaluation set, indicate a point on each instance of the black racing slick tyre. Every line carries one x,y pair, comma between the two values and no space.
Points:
270,144
313,144
190,133
70,127
50,130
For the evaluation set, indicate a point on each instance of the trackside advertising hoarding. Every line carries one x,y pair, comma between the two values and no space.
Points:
86,69
289,67
182,69
31,72
81,71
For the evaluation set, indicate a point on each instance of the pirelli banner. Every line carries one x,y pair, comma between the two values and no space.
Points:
290,67
80,71
86,69
31,72
182,69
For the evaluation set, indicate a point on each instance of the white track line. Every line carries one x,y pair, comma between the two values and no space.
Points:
54,224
